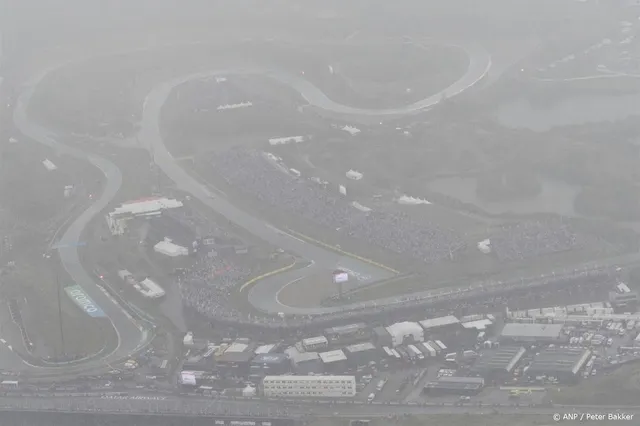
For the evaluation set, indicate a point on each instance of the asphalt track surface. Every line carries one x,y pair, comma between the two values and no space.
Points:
199,406
130,334
479,66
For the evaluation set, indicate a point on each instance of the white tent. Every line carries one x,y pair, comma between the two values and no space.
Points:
49,165
354,175
412,201
248,392
170,249
485,246
360,207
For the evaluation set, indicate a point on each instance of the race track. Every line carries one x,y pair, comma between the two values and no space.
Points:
130,334
263,294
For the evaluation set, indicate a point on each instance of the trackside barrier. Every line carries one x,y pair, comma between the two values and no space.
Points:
268,274
345,253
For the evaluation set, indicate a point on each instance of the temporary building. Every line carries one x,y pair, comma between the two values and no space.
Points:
402,331
170,249
354,175
485,246
49,165
150,289
287,140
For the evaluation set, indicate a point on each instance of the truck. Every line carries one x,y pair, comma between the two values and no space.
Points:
429,350
416,353
127,277
442,346
437,348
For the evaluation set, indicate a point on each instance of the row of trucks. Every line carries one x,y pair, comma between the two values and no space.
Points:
417,351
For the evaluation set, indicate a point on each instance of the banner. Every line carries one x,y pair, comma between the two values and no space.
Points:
84,302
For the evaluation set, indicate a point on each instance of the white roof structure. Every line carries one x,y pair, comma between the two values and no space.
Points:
236,347
439,322
304,357
332,356
150,289
318,340
484,246
360,347
49,165
401,329
146,206
235,106
352,130
354,175
360,207
297,357
170,249
287,140
412,201
264,349
533,331
479,325
623,288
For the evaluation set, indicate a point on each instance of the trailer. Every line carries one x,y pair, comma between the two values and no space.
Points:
416,352
442,346
435,347
429,350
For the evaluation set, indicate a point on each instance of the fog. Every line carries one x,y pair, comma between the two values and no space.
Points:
184,182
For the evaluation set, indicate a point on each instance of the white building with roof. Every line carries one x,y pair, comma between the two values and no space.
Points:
434,323
533,333
48,164
335,362
332,356
287,140
405,331
236,347
309,386
150,289
153,206
265,349
479,325
315,343
168,248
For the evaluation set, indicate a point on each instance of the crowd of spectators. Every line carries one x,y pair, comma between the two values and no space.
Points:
258,176
525,240
206,290
207,285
